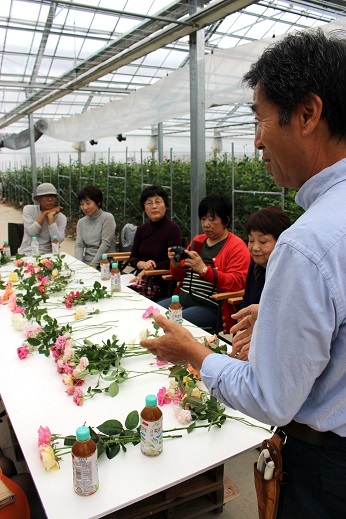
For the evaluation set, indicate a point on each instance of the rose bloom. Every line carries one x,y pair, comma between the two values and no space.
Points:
55,273
79,313
19,263
12,302
44,435
19,310
13,276
150,312
48,457
22,352
18,322
31,330
184,417
8,291
78,397
144,334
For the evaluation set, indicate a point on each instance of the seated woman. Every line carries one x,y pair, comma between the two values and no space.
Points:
217,261
153,238
43,221
96,230
263,229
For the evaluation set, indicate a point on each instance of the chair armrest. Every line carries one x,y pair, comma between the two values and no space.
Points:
158,272
119,256
235,300
225,295
168,277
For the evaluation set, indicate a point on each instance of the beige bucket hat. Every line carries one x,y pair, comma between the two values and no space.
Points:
45,189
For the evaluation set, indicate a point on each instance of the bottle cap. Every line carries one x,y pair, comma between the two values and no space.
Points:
34,238
151,400
175,299
104,256
5,242
83,433
115,265
55,237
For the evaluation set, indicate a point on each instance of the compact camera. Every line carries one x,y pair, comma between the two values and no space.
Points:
179,253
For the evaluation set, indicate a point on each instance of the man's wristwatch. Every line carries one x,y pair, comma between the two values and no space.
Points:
204,271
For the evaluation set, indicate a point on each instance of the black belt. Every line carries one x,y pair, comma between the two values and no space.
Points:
304,433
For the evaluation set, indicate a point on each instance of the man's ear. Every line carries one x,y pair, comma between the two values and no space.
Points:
310,113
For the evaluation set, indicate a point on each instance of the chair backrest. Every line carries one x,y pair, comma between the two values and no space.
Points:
15,233
127,236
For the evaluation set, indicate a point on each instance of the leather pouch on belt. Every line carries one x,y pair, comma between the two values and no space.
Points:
268,490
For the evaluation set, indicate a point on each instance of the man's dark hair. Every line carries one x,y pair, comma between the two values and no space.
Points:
303,63
270,220
216,205
149,192
92,192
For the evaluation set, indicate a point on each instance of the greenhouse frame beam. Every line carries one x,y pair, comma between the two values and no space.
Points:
98,65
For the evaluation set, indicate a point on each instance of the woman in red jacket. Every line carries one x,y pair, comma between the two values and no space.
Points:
217,261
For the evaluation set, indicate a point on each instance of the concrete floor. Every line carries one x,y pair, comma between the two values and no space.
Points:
239,469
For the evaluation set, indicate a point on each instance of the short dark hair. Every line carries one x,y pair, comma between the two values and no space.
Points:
151,191
92,192
216,205
270,220
303,63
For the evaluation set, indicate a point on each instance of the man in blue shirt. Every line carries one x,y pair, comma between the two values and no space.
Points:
296,374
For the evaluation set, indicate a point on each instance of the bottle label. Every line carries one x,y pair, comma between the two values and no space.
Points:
175,315
85,474
115,282
105,274
55,248
34,249
7,251
151,437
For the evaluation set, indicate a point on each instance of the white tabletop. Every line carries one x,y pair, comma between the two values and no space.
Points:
34,395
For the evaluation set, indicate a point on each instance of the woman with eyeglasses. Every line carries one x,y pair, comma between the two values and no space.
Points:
152,239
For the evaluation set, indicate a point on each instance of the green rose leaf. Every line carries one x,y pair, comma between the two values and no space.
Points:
113,389
112,450
132,420
110,427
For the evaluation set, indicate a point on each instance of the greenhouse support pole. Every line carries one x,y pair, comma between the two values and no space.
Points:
197,118
32,153
160,141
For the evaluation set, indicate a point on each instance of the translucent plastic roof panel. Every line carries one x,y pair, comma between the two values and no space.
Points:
50,46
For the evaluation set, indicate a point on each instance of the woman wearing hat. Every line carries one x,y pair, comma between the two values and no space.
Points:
43,221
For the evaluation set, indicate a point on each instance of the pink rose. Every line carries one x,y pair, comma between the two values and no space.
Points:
150,312
78,397
19,310
22,352
162,397
44,435
12,302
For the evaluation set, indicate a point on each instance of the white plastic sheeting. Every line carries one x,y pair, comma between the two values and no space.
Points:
168,98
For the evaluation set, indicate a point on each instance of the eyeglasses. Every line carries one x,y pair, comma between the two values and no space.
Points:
151,203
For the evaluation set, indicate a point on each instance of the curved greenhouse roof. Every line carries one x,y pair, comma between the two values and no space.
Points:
65,58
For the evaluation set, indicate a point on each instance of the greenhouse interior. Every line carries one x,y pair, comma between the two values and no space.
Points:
136,112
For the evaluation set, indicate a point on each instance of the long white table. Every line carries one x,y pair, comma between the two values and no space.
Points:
34,395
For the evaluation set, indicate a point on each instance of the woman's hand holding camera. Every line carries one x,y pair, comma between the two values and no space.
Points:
195,262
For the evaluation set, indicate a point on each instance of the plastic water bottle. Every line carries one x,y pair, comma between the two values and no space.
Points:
6,249
151,427
55,245
115,278
34,247
175,310
84,462
105,268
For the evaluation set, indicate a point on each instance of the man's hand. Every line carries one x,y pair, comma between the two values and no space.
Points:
243,331
177,345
